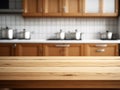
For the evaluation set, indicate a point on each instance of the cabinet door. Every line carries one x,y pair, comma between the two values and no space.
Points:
101,49
110,8
52,7
7,49
54,50
33,7
91,7
72,7
29,50
74,50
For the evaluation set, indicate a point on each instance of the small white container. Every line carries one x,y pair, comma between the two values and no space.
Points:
60,35
27,35
109,35
10,34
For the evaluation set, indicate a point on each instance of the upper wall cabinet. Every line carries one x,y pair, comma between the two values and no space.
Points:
72,7
66,8
33,8
52,7
100,7
91,7
110,7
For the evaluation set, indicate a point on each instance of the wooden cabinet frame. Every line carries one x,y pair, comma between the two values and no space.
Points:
63,5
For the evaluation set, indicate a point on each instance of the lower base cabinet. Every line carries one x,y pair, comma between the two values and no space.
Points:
7,49
63,50
30,49
101,50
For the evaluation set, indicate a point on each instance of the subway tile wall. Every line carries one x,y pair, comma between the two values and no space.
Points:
44,28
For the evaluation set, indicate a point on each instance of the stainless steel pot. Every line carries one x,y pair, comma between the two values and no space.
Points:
24,34
106,35
7,33
60,35
76,35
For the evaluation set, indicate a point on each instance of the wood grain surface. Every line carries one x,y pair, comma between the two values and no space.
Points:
60,72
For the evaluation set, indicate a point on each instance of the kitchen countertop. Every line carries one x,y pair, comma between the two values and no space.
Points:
60,72
59,41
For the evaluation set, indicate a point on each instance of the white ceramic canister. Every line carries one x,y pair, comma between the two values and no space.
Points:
10,34
62,35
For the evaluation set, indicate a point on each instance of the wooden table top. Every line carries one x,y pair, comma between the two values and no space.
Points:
59,68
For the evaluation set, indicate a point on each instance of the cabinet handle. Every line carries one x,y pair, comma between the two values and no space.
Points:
14,46
25,11
100,50
101,45
63,45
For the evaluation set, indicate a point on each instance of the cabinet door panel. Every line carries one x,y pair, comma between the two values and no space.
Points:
30,6
74,50
29,50
33,8
6,50
72,7
52,7
91,7
53,50
110,8
110,50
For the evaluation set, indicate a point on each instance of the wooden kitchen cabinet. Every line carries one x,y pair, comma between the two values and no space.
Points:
101,50
74,50
62,8
100,7
63,50
33,8
52,7
29,50
72,7
110,7
91,7
7,49
54,50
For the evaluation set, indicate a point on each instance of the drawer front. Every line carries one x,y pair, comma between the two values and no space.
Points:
101,49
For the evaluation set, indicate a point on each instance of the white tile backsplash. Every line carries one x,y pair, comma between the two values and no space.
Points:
43,28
